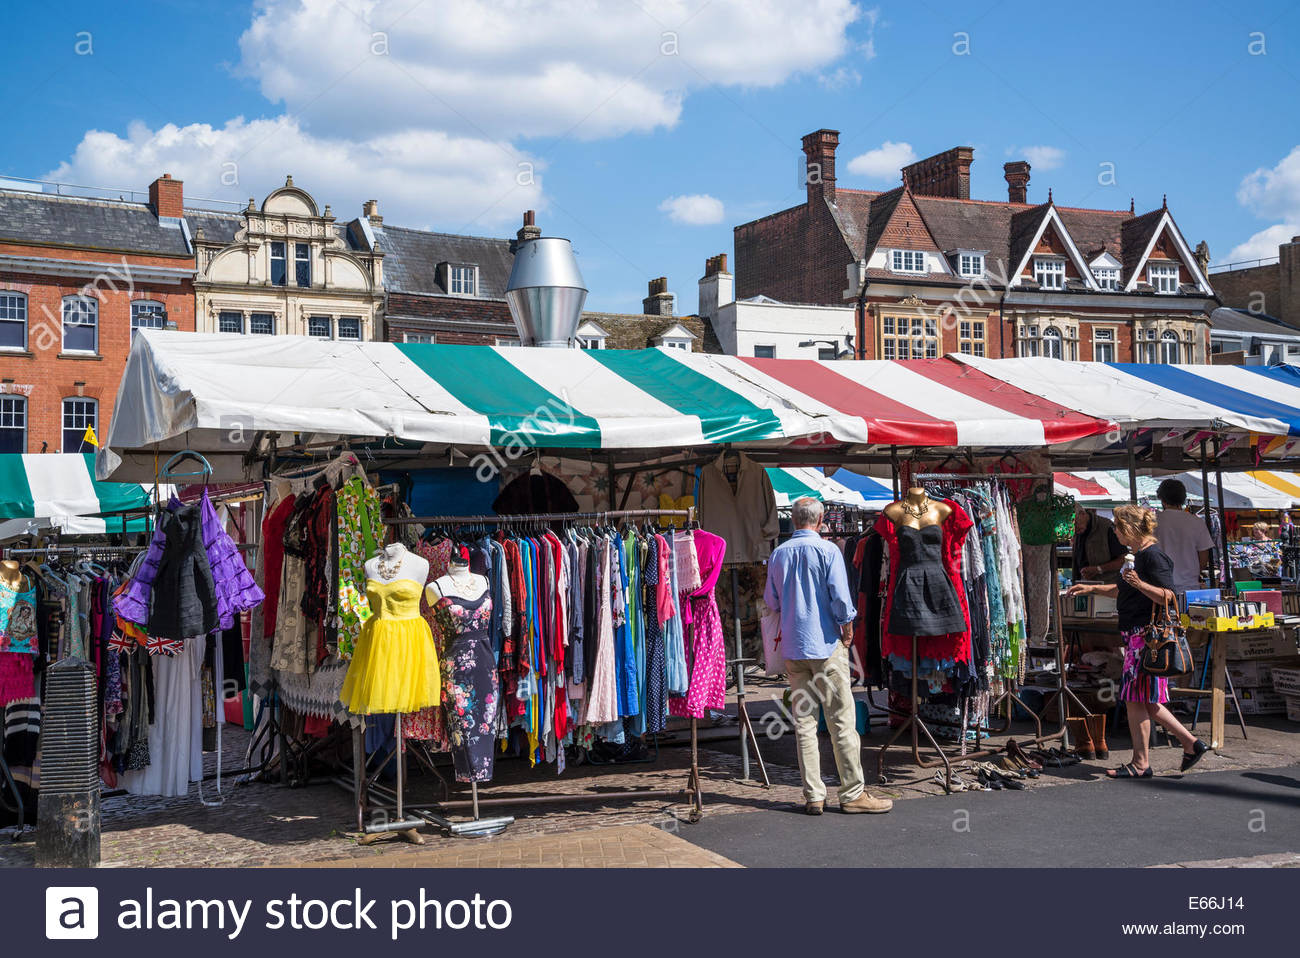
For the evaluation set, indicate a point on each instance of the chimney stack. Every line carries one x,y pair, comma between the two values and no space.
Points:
370,210
167,197
530,230
819,164
945,174
660,301
717,286
1017,174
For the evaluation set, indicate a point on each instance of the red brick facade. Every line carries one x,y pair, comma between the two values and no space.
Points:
45,373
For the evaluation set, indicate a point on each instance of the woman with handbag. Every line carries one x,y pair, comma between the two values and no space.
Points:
1144,594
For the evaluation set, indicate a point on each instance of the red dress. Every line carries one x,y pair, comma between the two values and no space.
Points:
954,646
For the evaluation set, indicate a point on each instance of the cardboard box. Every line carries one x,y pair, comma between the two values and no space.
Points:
1286,680
1261,702
1292,707
1260,644
1103,605
1251,674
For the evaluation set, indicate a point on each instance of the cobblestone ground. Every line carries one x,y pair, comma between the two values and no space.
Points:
266,824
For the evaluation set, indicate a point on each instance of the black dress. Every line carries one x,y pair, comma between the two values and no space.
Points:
925,601
183,603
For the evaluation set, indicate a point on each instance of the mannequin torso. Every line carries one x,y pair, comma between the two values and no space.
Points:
917,510
394,562
458,583
11,574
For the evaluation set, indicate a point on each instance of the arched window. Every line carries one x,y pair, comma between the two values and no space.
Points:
1169,348
1052,342
13,424
79,414
13,320
80,324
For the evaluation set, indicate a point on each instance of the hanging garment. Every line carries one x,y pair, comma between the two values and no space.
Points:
534,492
430,724
292,650
235,589
745,517
706,653
175,733
602,689
676,676
395,666
952,644
183,601
18,633
360,533
656,691
470,691
17,680
924,597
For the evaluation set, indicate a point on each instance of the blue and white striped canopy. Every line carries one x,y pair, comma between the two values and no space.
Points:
1254,399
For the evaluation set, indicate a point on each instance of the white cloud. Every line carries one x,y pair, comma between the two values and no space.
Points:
884,162
1272,194
430,107
840,78
694,209
428,177
530,68
1041,158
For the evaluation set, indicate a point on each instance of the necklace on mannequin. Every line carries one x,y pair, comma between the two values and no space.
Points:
917,510
390,561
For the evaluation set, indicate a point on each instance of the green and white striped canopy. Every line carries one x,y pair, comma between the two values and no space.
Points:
60,486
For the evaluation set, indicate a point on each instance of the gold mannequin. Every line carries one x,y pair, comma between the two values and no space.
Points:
11,574
917,510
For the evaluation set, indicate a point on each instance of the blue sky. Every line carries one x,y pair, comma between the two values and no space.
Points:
604,115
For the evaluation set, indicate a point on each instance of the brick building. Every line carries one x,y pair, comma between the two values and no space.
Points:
78,277
930,270
1269,289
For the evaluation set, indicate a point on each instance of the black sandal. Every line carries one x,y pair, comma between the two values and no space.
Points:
1128,771
1194,756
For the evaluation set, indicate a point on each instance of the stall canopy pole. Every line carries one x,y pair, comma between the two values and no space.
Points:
1209,525
893,466
1223,515
1132,471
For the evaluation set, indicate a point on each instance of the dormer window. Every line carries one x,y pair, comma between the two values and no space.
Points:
1049,272
591,336
1107,277
675,336
1163,277
462,280
907,261
970,264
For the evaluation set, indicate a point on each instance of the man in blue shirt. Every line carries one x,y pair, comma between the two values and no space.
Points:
808,586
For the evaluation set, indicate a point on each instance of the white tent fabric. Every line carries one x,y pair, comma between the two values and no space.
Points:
1240,491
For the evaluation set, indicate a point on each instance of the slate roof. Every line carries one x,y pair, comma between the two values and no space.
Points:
1243,321
411,259
637,330
45,219
1136,233
217,227
1024,224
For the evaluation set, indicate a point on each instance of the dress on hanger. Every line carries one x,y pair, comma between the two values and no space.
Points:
430,724
395,665
18,618
705,651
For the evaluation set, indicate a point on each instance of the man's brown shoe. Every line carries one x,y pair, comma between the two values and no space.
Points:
814,808
867,804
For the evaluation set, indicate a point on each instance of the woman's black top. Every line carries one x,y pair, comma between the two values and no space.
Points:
1153,567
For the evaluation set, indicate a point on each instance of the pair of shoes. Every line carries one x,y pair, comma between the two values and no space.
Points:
1097,732
1129,771
1081,735
1194,756
1014,768
999,779
866,804
814,808
1021,757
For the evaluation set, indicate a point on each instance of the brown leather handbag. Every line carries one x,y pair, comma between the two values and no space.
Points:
1166,653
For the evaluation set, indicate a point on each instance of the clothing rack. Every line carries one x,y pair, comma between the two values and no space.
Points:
391,800
688,514
917,725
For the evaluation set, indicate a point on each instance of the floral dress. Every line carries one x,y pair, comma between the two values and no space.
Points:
430,725
470,689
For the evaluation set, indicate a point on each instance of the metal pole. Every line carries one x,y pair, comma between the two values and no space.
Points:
1223,515
893,465
740,672
1205,498
1132,471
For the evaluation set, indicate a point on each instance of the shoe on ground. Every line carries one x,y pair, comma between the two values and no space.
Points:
866,804
814,808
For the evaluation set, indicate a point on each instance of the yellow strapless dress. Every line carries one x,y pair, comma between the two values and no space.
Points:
394,667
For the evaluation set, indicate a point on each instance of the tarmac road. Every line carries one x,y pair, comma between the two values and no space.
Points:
1102,824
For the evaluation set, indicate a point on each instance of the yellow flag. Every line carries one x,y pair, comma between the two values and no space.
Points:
90,437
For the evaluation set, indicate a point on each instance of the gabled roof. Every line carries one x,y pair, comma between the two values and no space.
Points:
411,259
41,219
1048,217
1143,239
879,212
1137,235
1026,227
851,211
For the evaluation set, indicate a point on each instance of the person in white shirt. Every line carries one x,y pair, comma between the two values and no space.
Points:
1182,536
